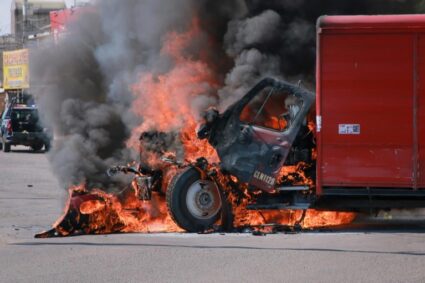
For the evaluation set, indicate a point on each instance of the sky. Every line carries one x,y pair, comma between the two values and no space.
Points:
5,14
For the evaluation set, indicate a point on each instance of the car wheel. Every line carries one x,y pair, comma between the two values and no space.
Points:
37,146
194,204
6,146
46,147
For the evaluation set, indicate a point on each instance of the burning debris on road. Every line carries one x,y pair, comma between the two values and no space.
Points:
97,212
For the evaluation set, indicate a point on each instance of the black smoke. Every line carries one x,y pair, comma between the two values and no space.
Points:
83,80
295,43
278,38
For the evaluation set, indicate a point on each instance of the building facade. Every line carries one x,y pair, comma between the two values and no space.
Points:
31,18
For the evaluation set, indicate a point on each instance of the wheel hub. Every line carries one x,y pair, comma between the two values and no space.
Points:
203,199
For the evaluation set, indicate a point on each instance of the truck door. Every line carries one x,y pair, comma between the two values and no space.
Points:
260,130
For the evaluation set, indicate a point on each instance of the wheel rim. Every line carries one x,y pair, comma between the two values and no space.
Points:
203,199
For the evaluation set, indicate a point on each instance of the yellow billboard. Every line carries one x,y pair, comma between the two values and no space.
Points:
15,69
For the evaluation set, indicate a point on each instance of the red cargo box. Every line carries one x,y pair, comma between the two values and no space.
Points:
371,101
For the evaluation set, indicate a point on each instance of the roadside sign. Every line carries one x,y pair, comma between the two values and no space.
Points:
15,69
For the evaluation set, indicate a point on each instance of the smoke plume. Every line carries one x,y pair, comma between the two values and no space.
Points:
95,86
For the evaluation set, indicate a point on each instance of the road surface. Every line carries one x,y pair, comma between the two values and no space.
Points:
31,199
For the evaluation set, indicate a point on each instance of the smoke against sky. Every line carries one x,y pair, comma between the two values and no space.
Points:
5,16
278,38
121,54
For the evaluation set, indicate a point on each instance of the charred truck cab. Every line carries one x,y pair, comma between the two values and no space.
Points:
254,137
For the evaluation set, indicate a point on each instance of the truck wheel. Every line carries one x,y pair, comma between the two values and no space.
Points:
194,204
6,146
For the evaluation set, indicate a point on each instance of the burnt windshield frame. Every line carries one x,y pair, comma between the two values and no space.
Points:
275,90
230,117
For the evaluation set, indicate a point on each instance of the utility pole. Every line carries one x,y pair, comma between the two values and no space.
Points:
20,92
24,20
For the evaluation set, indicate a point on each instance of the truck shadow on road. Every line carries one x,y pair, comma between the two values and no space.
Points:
218,247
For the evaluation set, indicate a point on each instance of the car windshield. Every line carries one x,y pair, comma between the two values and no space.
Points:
25,115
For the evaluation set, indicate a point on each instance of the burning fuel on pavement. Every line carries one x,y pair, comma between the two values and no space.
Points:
174,116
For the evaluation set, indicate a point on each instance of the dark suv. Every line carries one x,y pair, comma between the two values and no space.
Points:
19,125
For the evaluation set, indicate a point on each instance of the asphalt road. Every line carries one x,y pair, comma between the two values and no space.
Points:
31,199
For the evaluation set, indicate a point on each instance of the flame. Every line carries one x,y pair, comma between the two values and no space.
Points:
295,175
249,218
97,212
167,102
171,102
92,206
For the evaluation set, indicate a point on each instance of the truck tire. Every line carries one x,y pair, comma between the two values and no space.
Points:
6,146
194,204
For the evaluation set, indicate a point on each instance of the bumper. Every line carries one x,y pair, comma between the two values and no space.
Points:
28,139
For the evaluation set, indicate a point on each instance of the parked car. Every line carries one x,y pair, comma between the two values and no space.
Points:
20,125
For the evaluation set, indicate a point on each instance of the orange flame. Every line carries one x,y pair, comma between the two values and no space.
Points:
170,102
92,206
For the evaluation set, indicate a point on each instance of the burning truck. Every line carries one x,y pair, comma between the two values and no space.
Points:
364,152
